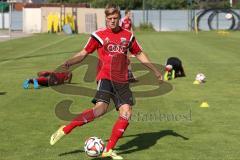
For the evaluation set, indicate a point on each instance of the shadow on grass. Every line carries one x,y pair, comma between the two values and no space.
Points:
144,141
71,152
2,93
140,142
82,151
107,158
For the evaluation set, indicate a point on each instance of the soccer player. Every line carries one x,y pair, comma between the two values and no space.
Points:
112,44
46,78
126,23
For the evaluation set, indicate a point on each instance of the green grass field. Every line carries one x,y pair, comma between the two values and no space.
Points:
27,117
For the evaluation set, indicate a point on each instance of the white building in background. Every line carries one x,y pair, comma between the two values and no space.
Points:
35,17
32,20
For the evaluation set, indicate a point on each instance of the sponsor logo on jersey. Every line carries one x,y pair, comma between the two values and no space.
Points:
113,48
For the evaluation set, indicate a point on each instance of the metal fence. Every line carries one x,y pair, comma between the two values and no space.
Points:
181,20
17,20
162,20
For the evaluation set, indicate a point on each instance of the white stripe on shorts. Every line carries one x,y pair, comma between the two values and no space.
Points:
99,84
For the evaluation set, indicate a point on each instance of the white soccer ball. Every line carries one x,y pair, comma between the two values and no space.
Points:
200,77
228,16
93,146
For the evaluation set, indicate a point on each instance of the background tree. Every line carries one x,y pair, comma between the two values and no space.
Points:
152,4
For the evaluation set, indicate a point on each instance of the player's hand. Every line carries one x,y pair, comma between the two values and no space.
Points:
159,77
66,65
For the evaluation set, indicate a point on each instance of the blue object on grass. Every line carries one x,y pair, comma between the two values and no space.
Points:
26,84
35,84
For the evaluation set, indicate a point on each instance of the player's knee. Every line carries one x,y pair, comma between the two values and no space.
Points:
125,111
100,109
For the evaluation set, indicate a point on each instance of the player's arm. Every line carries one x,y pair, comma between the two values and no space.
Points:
136,50
89,48
77,58
131,29
142,57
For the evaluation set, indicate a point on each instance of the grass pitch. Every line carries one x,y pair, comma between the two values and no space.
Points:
171,126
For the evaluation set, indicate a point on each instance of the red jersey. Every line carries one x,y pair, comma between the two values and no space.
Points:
112,51
126,23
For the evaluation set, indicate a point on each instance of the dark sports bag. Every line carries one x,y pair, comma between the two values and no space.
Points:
177,66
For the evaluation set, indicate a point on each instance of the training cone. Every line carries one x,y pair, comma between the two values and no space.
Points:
204,105
196,82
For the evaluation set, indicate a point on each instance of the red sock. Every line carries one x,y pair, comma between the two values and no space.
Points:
43,81
85,117
117,132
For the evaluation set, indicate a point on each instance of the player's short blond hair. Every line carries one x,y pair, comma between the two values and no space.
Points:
127,11
112,9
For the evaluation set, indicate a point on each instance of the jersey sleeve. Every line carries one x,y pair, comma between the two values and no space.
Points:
91,45
134,47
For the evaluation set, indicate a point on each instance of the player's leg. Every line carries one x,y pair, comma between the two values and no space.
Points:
26,83
125,112
123,100
35,84
85,117
33,81
43,81
44,73
120,126
101,101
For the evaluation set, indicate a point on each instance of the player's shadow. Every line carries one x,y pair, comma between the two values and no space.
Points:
100,158
144,141
2,93
71,152
140,142
81,151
